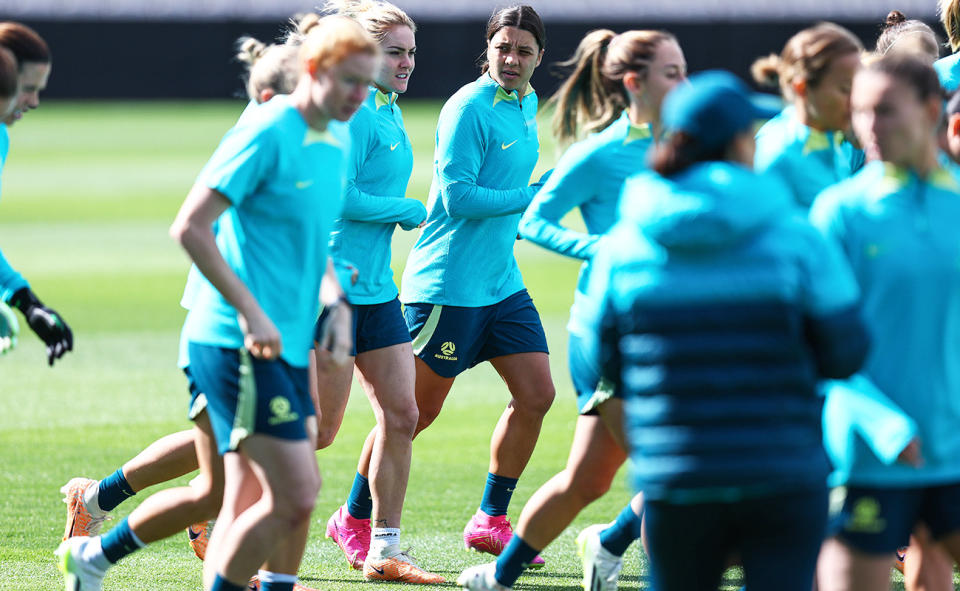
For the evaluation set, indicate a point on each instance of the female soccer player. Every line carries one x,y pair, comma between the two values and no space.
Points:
464,297
948,68
631,73
33,61
271,70
805,144
895,222
277,178
718,309
374,205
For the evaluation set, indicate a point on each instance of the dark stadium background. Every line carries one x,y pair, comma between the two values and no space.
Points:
181,59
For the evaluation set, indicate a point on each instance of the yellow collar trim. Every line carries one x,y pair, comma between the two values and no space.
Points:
895,177
382,99
819,141
504,95
319,137
941,178
638,132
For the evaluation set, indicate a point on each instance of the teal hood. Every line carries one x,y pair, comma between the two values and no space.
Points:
709,205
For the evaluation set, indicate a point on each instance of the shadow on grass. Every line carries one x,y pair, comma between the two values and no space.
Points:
626,582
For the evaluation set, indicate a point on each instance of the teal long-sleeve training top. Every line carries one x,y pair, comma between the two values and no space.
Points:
486,150
806,159
899,233
378,171
589,175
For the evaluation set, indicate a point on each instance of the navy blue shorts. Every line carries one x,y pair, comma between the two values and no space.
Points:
375,326
452,339
777,537
880,520
244,395
592,390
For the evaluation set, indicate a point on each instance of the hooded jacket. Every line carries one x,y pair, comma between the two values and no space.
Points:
718,308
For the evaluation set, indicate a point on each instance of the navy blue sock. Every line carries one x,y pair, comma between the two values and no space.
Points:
221,584
624,530
514,558
113,490
119,542
497,494
360,503
275,586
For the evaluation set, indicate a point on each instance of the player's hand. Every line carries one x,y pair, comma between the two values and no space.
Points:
260,336
417,218
46,323
336,337
911,454
9,329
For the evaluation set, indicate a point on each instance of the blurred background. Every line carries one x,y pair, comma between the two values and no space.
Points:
181,48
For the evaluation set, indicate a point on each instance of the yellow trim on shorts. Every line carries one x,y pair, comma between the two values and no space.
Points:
603,393
199,405
429,327
245,417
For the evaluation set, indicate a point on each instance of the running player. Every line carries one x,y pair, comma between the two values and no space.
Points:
272,69
631,73
896,222
948,68
278,173
718,308
33,60
464,298
806,143
374,205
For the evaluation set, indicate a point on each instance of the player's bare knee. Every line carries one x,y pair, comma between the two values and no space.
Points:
208,504
207,498
325,437
589,490
536,402
401,422
426,417
295,504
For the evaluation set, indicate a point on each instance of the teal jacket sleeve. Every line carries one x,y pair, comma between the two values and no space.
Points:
360,206
461,143
10,281
567,188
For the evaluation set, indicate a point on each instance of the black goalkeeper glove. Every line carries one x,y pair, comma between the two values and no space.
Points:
44,321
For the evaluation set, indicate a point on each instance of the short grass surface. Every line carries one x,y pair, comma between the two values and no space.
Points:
89,191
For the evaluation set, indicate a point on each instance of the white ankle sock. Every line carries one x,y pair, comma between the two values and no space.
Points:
90,500
383,540
92,554
272,577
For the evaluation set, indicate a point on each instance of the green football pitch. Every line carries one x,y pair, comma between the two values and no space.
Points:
89,191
